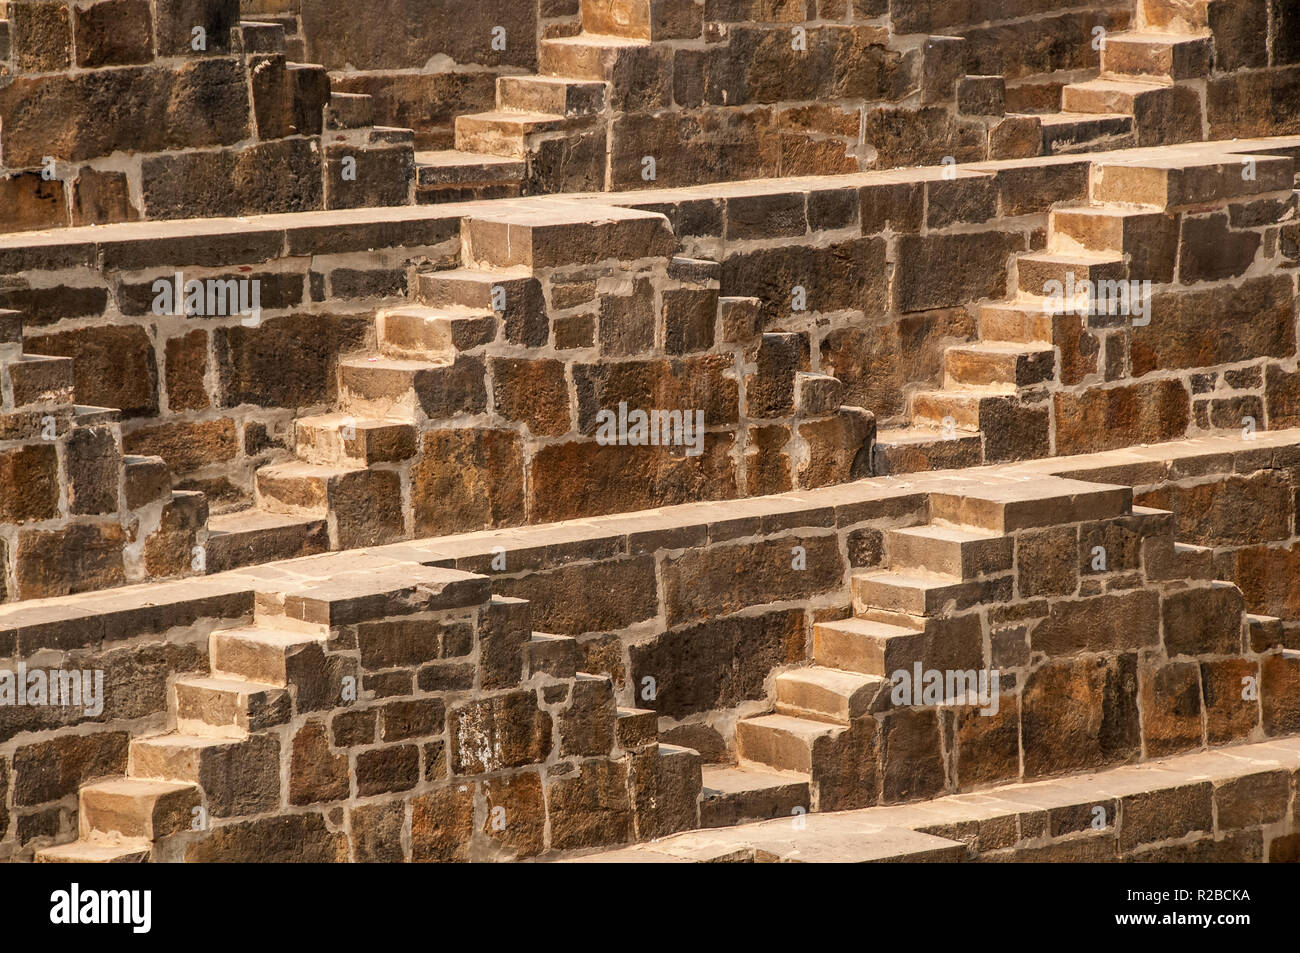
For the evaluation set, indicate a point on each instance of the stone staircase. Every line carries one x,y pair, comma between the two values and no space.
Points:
548,132
233,733
1154,74
931,608
996,401
353,466
217,756
65,481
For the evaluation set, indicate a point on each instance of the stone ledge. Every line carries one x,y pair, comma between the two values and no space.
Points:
1043,819
93,618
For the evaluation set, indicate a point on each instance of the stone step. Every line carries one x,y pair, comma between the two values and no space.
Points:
97,850
228,707
137,808
357,591
634,727
1030,503
548,234
1113,96
506,133
1106,230
780,741
453,175
386,387
1037,269
1029,320
256,36
35,380
551,95
914,592
350,111
643,19
915,449
961,552
591,56
261,655
554,655
238,775
419,333
1164,57
252,537
1162,115
145,480
1174,16
180,757
87,416
480,290
959,410
734,795
301,489
341,440
1067,133
867,647
998,363
826,694
1176,181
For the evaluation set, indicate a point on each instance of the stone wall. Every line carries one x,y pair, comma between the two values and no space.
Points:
564,96
1230,805
151,109
698,616
826,328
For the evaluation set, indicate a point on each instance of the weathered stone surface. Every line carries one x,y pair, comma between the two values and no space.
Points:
712,582
987,742
77,558
283,838
1080,712
114,365
1171,707
590,808
1115,622
383,770
49,770
185,446
843,275
572,600
377,832
504,731
943,271
99,198
717,664
911,757
1203,621
251,360
442,823
396,36
516,815
587,726
1252,800
29,489
140,108
316,775
113,33
1121,416
533,392
1253,320
1279,692
585,478
467,480
1230,715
